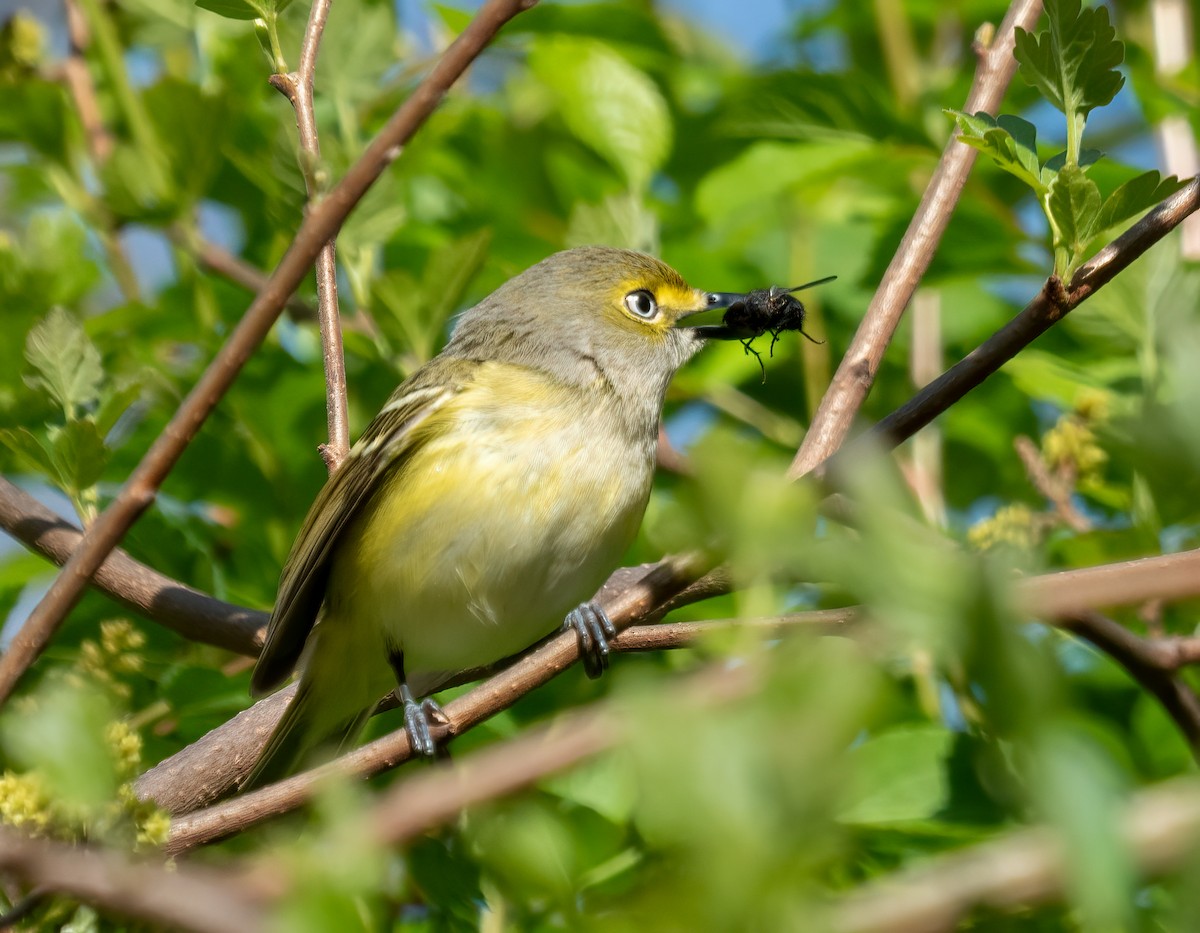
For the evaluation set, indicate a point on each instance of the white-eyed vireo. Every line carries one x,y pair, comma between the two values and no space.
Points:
497,488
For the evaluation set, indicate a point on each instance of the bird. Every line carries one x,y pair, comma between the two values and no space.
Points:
494,492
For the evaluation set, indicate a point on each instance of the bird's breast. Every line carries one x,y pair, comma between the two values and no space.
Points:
512,513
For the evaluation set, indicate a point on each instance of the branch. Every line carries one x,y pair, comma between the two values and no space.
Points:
855,374
318,227
1046,310
298,88
194,615
1025,867
433,797
1073,592
79,84
1154,664
212,766
500,692
174,785
187,897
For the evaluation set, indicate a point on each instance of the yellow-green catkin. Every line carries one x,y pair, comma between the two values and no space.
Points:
115,654
24,801
1013,526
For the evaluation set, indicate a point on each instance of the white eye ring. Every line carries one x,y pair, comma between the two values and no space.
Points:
641,304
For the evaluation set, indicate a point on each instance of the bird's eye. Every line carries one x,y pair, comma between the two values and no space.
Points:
641,304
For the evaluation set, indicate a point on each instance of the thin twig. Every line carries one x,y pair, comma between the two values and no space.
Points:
186,898
321,223
1022,868
209,768
1130,582
78,79
854,376
298,88
1047,309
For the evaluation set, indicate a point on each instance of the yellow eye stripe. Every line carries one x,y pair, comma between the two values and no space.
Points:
669,295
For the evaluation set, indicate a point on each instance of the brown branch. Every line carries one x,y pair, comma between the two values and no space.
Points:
194,615
435,796
1072,592
298,88
1046,310
321,223
1153,666
1023,868
500,692
79,84
857,370
188,897
1058,595
209,768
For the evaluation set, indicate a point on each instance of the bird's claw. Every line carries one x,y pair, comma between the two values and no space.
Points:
419,718
594,629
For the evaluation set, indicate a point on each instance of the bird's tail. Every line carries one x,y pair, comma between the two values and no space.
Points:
338,689
304,732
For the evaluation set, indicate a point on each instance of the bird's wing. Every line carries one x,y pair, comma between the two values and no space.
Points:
391,437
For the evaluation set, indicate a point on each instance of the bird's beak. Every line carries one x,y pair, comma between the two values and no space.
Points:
714,301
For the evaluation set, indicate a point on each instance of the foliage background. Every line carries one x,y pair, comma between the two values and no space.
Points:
630,124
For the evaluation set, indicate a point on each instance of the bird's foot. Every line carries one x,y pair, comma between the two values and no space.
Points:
419,719
594,628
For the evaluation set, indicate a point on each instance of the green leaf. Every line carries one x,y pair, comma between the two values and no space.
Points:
1010,141
1073,63
449,272
452,18
80,454
62,735
1133,197
115,401
1073,205
232,9
607,103
766,169
899,776
30,452
67,363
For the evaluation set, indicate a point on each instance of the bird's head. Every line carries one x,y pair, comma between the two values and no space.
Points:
588,312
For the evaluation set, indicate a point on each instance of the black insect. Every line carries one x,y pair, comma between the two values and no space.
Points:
762,311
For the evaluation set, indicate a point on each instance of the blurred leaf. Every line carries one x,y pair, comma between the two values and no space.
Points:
1078,790
765,170
62,736
233,9
899,775
67,363
35,113
30,451
79,453
607,103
